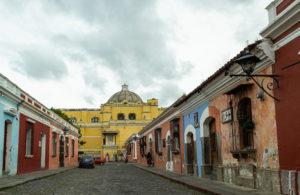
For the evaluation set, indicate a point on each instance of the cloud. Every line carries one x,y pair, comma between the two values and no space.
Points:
166,93
94,79
159,48
128,37
41,65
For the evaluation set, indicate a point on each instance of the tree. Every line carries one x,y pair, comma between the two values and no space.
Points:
66,118
61,114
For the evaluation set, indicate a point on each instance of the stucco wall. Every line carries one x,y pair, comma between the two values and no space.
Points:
30,164
265,132
288,108
5,104
188,120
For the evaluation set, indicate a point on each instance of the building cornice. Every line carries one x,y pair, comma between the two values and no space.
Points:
220,85
286,19
158,124
31,104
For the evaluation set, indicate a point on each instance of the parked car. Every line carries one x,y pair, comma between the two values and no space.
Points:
99,161
87,161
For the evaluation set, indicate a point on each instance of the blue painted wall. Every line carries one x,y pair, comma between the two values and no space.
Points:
5,103
188,119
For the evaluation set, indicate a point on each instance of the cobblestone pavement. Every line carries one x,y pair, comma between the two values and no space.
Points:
114,178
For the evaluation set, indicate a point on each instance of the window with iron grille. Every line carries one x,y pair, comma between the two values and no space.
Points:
175,138
29,139
142,146
73,148
158,141
246,125
196,120
67,146
54,144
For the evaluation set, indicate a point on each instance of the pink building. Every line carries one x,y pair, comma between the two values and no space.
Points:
162,139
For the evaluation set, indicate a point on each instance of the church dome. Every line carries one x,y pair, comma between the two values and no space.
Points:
125,96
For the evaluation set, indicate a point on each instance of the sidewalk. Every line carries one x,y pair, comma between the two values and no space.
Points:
203,185
12,181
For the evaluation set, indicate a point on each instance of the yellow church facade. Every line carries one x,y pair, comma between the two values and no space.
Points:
105,130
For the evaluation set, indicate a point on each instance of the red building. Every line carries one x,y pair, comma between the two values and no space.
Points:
46,141
284,32
33,148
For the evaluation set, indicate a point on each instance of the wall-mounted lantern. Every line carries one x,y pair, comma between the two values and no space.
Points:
65,130
248,62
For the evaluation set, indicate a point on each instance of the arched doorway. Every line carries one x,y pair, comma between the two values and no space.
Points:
190,153
210,149
7,146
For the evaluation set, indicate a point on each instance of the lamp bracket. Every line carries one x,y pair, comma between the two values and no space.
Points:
265,85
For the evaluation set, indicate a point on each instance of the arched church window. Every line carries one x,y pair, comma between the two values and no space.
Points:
95,120
132,116
121,116
73,120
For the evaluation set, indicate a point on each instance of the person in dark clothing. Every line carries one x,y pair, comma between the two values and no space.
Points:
149,159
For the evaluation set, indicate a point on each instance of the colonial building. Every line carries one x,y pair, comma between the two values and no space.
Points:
227,124
105,130
32,137
283,31
162,138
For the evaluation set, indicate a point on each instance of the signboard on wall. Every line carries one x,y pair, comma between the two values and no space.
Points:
227,116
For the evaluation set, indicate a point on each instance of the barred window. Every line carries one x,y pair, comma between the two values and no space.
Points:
73,147
196,120
158,141
246,126
175,137
54,144
67,146
29,139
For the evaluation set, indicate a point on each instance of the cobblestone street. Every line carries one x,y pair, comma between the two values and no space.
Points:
115,178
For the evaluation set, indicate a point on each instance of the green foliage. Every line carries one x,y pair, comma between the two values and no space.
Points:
61,114
66,118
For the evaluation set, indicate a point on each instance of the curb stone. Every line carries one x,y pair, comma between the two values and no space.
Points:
191,186
31,178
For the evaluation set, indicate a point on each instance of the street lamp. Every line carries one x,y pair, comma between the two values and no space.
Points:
248,62
134,137
65,130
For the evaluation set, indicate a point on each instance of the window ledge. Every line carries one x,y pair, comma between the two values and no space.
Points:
28,156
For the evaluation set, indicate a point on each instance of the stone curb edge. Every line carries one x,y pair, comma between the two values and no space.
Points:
14,184
191,186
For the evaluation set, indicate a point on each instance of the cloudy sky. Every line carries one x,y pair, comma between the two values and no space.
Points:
77,53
